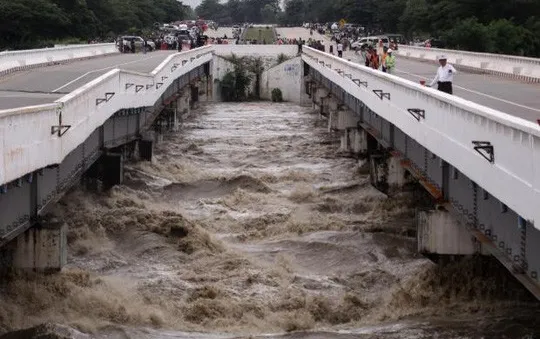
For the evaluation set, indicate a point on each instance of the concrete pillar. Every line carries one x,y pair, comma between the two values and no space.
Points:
113,169
331,108
183,104
386,172
175,123
320,93
359,141
194,95
42,248
146,150
439,233
347,119
347,141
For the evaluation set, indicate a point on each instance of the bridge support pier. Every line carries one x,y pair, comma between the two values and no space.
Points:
346,122
359,141
106,172
183,106
320,100
386,173
194,95
440,234
146,150
42,248
332,112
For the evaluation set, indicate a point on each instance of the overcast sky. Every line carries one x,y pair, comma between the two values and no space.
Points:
192,3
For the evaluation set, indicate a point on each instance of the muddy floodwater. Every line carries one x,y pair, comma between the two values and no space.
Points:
249,223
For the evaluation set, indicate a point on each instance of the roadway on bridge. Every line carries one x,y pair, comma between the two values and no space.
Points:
510,96
45,84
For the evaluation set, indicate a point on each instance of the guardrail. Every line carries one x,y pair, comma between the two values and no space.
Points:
35,137
448,129
19,60
503,65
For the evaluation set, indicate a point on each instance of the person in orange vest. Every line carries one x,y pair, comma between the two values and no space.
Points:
383,59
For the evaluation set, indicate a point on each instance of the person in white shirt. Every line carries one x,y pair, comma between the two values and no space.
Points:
445,76
340,49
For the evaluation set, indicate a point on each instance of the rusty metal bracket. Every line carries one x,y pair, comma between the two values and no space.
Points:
485,149
159,84
129,85
149,86
417,113
60,129
164,77
348,75
183,63
138,88
381,94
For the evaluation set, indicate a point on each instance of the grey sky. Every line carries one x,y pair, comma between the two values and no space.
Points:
192,3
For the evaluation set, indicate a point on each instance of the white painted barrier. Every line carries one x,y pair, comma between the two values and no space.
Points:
256,50
26,142
449,127
19,60
504,65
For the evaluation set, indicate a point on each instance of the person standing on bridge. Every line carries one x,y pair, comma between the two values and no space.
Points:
340,49
390,61
445,76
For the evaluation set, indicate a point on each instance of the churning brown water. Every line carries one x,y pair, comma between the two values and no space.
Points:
249,223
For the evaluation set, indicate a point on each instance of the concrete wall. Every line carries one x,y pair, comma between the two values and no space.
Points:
287,77
256,50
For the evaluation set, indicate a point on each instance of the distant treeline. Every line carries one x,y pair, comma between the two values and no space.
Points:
36,23
496,26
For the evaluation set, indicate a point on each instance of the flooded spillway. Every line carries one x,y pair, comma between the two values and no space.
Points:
247,222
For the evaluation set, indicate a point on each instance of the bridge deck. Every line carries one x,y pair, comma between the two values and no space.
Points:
506,95
45,84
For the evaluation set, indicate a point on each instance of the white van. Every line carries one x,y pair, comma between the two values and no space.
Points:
372,41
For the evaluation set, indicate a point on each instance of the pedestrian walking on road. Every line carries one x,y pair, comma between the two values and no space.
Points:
445,76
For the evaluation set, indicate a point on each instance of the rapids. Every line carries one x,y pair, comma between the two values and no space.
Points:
248,224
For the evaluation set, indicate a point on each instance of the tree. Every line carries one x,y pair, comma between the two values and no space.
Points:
209,9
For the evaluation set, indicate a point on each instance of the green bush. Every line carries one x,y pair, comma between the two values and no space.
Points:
277,96
234,85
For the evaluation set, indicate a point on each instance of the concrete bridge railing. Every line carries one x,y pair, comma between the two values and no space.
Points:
499,152
503,65
19,60
36,137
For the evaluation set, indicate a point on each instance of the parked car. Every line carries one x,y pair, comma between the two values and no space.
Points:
370,40
124,44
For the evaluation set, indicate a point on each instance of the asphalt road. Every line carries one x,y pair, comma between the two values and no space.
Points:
45,84
514,97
